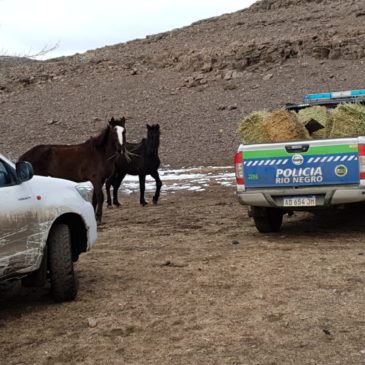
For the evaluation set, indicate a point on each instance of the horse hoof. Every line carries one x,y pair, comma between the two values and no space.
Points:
154,202
109,206
117,204
144,204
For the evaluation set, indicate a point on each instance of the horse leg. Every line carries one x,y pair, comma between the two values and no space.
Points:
156,176
94,202
142,185
99,201
108,183
117,181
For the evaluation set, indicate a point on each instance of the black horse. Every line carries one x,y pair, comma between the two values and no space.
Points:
140,159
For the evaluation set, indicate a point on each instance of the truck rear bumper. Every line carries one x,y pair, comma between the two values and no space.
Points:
325,197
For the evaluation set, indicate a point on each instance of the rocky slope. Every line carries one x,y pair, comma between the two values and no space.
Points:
197,81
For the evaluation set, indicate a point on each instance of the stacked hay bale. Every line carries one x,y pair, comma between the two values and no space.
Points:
251,129
277,126
282,125
317,114
348,121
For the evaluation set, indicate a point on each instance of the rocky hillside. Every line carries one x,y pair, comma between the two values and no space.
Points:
197,81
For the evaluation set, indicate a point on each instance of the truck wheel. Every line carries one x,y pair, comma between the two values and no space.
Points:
267,219
63,279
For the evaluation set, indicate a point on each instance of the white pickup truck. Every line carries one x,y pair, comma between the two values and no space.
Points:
278,178
45,223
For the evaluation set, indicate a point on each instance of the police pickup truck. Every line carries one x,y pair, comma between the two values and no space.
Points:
45,223
277,178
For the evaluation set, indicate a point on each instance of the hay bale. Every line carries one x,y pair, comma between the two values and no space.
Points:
318,113
320,134
329,125
250,129
282,125
348,121
321,115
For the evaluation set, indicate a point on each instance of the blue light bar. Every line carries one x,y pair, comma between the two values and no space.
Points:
335,95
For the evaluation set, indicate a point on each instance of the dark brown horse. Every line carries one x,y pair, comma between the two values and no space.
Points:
93,160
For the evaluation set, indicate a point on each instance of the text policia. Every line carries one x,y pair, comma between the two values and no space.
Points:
300,175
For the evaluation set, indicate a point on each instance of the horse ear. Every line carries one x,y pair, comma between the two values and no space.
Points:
157,126
148,126
112,121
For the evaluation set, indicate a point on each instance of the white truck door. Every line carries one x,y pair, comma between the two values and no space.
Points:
20,233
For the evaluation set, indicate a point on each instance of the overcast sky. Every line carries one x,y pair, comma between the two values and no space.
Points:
27,26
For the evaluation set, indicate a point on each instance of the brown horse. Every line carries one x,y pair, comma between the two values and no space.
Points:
92,160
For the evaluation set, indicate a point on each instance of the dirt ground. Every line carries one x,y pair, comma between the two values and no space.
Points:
191,281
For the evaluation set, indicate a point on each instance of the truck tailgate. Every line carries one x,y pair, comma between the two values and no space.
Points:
314,163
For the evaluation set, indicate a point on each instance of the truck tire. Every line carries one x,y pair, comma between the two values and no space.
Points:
267,220
63,279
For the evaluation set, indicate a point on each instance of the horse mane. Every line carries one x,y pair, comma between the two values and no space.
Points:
101,139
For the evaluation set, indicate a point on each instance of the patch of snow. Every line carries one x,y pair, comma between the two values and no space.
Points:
190,179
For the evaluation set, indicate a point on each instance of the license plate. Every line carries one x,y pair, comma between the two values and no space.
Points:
300,201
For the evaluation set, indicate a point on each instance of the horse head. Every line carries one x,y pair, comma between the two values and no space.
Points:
153,138
118,133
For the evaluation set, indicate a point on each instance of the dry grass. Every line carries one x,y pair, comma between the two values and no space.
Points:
251,128
321,115
348,121
282,125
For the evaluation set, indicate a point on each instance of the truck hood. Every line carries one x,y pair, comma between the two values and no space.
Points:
47,182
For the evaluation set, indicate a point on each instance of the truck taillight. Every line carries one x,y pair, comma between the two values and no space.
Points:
362,161
238,163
